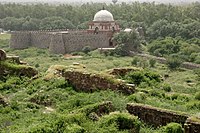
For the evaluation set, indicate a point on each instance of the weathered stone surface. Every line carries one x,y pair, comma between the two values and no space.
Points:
89,82
192,125
2,55
156,116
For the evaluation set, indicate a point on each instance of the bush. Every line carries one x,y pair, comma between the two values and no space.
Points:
173,128
123,121
166,87
152,62
138,77
74,128
86,49
197,95
121,50
138,97
135,61
173,63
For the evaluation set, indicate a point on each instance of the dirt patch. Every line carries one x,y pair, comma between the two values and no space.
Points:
69,56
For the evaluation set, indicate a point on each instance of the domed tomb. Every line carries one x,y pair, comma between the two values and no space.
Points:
103,15
103,22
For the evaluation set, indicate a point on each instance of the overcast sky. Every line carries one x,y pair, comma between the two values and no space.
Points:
99,1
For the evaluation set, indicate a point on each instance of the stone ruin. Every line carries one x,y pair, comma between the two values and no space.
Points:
90,82
2,55
22,70
160,117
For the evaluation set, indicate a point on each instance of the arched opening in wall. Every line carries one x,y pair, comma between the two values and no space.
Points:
110,42
96,31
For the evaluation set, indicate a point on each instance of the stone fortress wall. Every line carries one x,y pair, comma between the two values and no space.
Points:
58,42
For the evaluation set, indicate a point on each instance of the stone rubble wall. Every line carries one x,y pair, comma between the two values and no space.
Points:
192,126
160,117
20,40
76,42
88,82
155,116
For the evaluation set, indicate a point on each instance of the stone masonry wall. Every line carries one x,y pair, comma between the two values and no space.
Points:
58,43
41,39
88,82
20,40
155,116
76,42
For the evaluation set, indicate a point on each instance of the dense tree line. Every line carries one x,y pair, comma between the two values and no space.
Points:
158,20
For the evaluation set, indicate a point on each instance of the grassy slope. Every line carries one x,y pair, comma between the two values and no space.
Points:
64,99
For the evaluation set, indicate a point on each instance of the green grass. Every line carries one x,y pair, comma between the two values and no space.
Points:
4,36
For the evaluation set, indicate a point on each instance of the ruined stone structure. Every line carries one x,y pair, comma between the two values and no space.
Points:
98,35
160,117
90,82
11,65
2,55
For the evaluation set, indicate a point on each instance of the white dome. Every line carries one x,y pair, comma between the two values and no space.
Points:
127,30
103,15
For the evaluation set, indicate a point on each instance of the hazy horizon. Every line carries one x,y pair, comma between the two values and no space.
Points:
98,1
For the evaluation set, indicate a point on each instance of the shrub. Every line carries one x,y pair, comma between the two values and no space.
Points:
37,65
173,63
197,72
86,49
138,77
166,87
74,128
152,62
197,95
123,121
138,97
143,64
121,50
173,128
135,61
